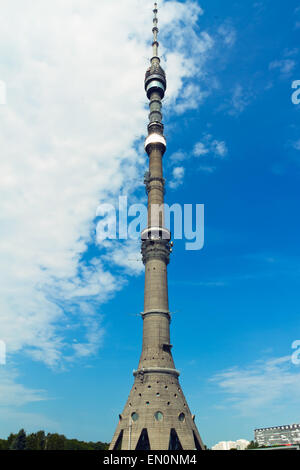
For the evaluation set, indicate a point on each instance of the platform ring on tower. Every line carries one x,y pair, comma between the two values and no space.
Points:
156,233
155,139
157,370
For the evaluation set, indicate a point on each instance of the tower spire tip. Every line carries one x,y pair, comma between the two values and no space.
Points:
155,43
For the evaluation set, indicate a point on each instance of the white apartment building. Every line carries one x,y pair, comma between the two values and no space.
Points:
240,444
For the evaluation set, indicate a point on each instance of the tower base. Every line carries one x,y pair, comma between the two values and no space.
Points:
156,415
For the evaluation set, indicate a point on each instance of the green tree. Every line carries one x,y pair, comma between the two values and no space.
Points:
19,443
36,441
100,445
39,441
253,445
4,444
11,439
55,442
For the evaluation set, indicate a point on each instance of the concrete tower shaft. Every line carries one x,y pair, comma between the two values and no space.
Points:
156,415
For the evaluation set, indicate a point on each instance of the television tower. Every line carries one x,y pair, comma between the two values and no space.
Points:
156,415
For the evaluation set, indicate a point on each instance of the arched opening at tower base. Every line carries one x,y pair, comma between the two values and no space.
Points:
118,444
174,443
143,442
197,443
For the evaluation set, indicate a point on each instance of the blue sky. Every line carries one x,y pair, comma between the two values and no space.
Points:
71,134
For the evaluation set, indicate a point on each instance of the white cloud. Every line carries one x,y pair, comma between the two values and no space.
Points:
206,168
75,108
239,101
206,149
209,146
190,98
297,145
260,385
178,156
13,393
178,22
219,148
297,24
291,52
126,255
228,34
13,397
241,97
285,66
200,149
178,175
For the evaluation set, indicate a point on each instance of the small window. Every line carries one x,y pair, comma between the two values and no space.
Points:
159,416
181,417
134,416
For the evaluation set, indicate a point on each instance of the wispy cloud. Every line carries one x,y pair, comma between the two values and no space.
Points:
291,52
61,158
13,393
208,151
191,97
284,66
259,6
210,146
178,156
297,12
297,145
126,255
178,30
228,34
14,397
241,98
207,168
261,385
